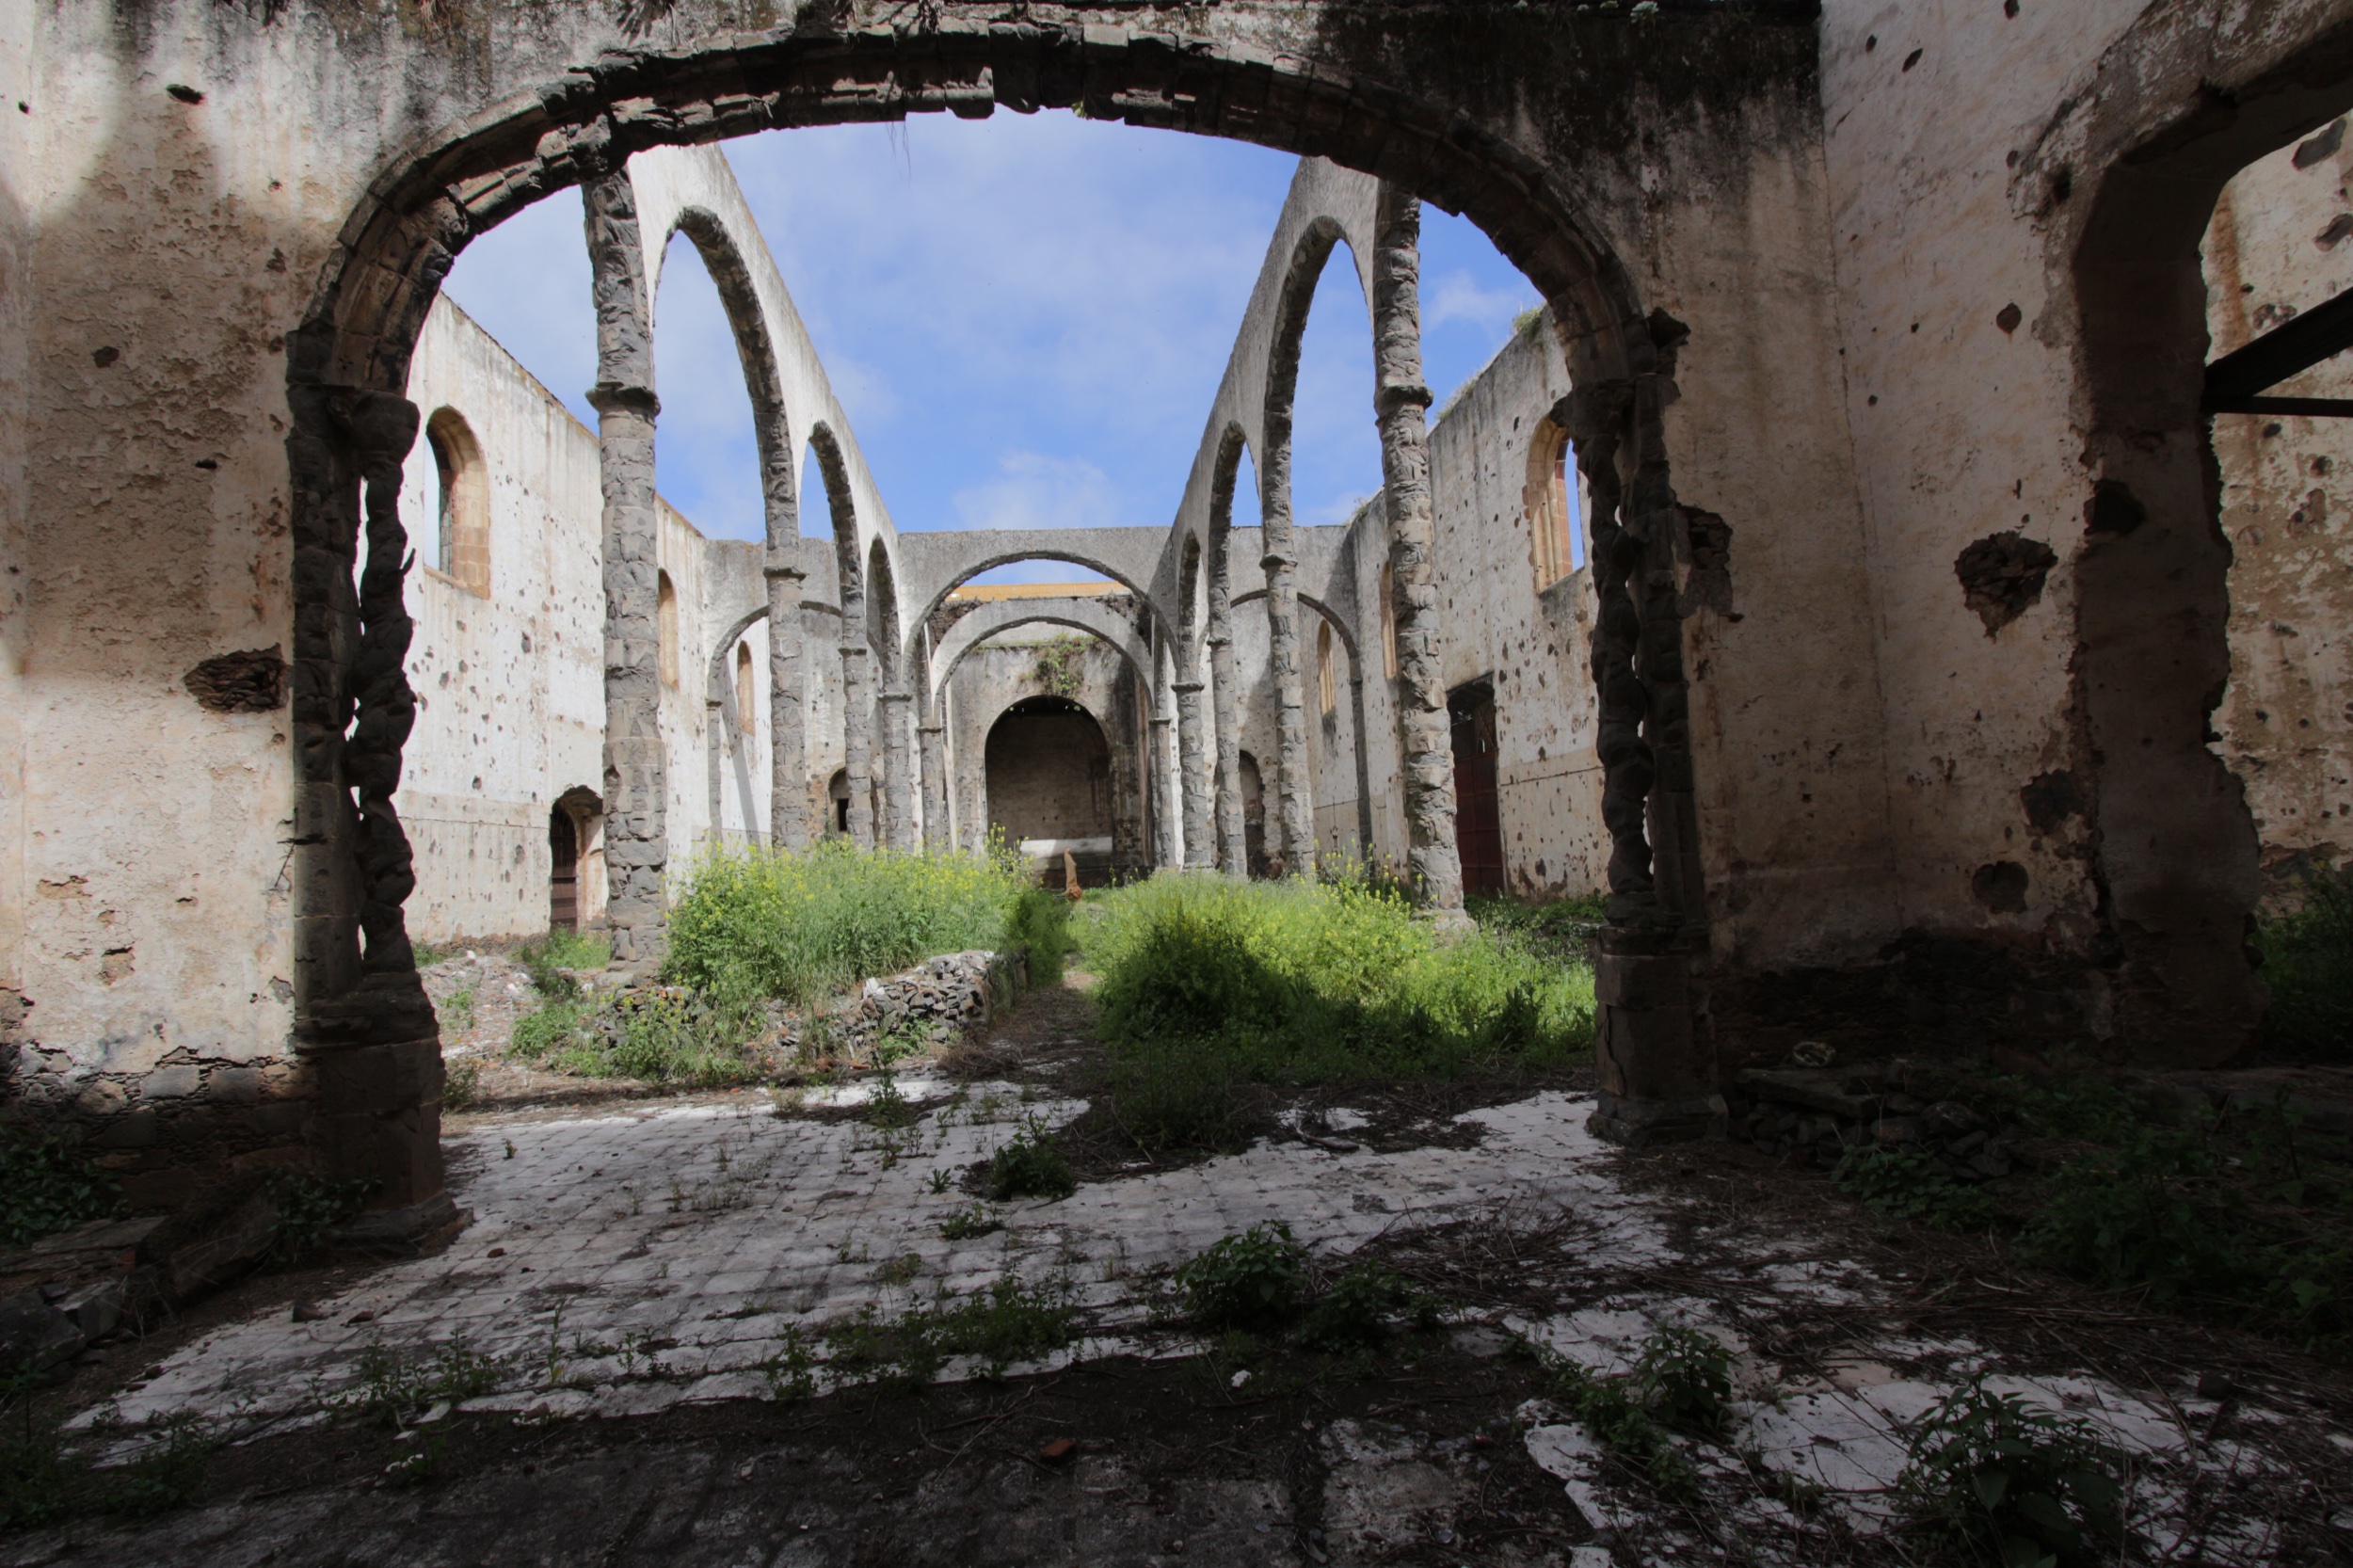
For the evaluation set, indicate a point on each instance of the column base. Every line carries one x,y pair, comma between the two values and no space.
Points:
1450,925
1636,1124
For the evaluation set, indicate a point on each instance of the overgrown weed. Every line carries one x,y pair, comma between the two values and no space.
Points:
46,1480
1914,1184
798,926
2308,964
2012,1484
1208,983
1030,1165
47,1185
1008,1323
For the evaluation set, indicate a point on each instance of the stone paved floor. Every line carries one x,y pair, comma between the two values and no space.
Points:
709,1231
656,1261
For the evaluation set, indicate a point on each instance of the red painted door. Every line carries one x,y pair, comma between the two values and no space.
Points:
1478,821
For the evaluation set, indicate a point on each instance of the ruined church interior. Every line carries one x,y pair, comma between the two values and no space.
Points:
1530,782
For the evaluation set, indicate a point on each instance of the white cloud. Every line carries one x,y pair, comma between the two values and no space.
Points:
1458,296
1033,491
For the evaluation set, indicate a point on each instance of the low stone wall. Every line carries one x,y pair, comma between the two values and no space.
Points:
951,995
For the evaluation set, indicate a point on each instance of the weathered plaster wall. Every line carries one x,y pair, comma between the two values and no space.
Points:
2277,246
510,686
1005,669
1499,622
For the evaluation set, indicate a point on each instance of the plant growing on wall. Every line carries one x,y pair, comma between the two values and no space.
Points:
1058,665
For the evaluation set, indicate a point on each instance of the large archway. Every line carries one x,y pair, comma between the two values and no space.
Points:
1339,99
1047,773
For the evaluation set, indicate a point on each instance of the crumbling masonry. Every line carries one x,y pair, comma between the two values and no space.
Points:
1884,706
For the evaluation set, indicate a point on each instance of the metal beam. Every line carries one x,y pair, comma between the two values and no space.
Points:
2320,408
2294,345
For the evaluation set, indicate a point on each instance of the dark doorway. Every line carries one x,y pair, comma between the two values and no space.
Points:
563,879
1478,822
1253,816
1048,782
838,791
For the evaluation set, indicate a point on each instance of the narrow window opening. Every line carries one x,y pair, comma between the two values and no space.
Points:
666,628
1388,620
746,709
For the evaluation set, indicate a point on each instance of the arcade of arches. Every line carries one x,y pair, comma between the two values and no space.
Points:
1915,657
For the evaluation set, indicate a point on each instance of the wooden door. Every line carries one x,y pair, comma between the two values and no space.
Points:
1477,821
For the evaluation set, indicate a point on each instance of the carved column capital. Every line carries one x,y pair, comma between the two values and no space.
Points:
611,397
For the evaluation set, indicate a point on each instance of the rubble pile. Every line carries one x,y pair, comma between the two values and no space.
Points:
931,1003
1814,1114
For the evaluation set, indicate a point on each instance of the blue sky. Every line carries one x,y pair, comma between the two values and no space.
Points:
1025,317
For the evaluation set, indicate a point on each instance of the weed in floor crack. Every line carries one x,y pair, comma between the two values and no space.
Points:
2011,1483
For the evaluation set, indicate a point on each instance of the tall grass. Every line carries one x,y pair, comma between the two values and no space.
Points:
799,925
1303,983
2308,964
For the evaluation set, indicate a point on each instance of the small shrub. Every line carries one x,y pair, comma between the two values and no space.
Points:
663,1036
1176,1094
799,925
393,1388
1608,1410
1913,1184
426,955
964,1224
1008,1323
553,1027
1030,1165
2308,964
46,1185
44,1481
1685,1378
1040,921
2122,1219
2013,1483
462,1081
309,1206
1251,1280
1357,1307
1300,982
458,1010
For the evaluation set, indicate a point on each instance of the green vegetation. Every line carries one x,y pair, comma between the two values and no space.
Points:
2308,964
1612,1410
393,1388
660,1036
1206,984
1061,665
44,1481
971,1220
1685,1378
1251,1280
462,1081
1913,1184
549,959
796,926
1030,1165
1356,1309
1008,1323
309,1206
458,1010
2012,1484
47,1185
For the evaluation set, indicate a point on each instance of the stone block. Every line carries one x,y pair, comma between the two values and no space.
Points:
1643,982
173,1082
136,1130
234,1085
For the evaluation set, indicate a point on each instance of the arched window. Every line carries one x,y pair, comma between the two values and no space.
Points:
1555,541
1325,688
666,614
463,549
746,712
1388,620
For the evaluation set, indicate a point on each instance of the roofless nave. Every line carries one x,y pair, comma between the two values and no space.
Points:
1893,670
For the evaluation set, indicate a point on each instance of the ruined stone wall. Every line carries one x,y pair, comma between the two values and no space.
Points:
1000,673
509,683
2278,247
1499,622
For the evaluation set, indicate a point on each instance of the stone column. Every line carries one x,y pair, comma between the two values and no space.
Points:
788,744
1166,851
1233,856
1294,788
1191,777
636,848
934,739
898,821
1425,741
857,717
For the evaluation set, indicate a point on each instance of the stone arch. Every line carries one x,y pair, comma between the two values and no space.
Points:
2175,864
1336,92
936,563
1005,615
